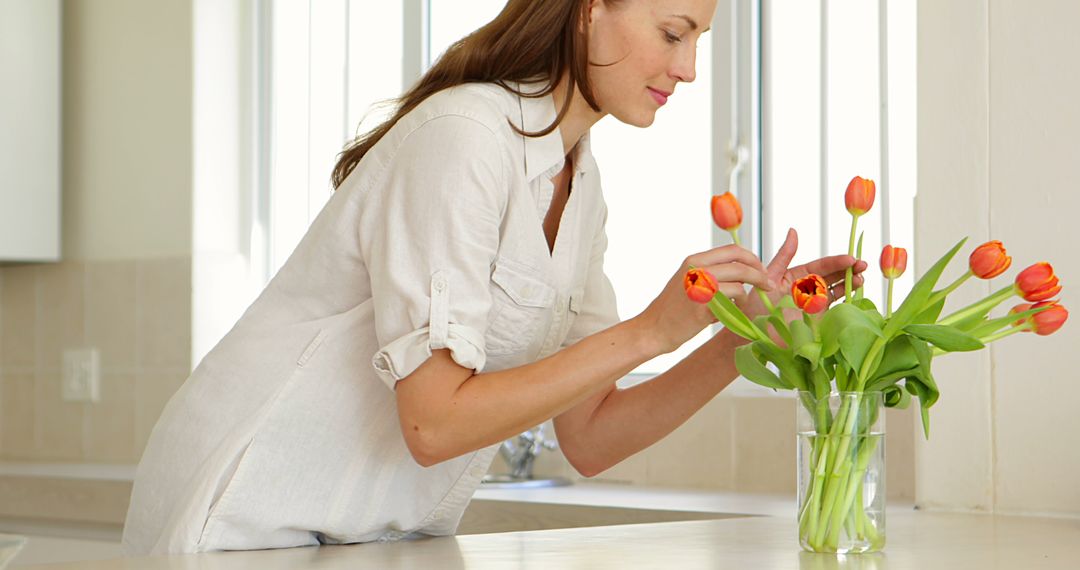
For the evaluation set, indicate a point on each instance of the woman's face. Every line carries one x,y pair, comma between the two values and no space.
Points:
651,45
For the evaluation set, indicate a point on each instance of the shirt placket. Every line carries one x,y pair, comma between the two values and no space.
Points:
563,266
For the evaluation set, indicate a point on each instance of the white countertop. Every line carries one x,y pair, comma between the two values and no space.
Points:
924,541
636,497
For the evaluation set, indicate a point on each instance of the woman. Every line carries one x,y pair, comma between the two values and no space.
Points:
449,296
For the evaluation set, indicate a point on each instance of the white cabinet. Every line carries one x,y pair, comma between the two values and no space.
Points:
30,130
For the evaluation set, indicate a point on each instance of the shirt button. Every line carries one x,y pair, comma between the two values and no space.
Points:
440,285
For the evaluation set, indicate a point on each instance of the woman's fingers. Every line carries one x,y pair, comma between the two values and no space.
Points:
835,276
780,262
826,266
836,291
735,273
725,254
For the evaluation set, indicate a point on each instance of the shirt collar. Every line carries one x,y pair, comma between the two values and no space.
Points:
544,154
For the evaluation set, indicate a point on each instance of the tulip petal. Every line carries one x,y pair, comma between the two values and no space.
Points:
726,211
859,197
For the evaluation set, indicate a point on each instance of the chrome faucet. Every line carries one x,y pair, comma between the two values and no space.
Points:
520,453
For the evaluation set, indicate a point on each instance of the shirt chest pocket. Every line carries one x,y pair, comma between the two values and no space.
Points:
521,309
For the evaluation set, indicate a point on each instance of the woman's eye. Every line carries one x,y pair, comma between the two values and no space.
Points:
671,38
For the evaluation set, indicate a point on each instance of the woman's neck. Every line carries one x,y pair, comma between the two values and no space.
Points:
579,118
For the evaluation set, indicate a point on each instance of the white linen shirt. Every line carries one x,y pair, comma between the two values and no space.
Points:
287,432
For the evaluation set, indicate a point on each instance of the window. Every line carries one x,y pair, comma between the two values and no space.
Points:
823,96
793,88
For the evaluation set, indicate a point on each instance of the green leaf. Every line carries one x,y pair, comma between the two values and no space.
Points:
898,355
735,321
930,315
945,337
925,376
734,310
793,372
924,407
786,302
811,351
838,319
755,371
896,397
991,326
855,342
762,322
915,303
882,382
803,343
800,334
822,380
867,305
843,373
973,320
874,316
781,328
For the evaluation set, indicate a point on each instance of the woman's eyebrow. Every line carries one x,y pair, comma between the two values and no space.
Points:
690,21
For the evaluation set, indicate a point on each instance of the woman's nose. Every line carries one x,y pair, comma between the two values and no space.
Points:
684,67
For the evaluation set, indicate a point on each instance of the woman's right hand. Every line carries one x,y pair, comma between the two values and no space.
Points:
672,318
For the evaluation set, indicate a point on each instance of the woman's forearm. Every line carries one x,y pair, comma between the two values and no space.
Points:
442,418
630,420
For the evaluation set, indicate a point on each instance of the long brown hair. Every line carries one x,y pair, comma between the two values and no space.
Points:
528,40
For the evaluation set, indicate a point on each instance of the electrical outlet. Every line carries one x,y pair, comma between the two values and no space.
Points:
82,376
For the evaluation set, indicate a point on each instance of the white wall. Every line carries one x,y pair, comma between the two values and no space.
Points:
999,137
30,133
127,129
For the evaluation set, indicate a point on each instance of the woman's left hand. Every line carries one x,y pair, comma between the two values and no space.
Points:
830,268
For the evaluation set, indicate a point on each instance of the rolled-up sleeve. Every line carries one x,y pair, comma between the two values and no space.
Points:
429,235
598,309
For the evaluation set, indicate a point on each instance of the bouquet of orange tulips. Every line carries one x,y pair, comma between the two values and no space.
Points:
854,348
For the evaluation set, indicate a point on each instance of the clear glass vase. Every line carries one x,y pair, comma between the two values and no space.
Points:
841,477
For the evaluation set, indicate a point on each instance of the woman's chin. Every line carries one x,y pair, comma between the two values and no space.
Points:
639,118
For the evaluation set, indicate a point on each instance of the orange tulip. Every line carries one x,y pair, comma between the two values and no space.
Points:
1043,323
700,285
1020,309
1037,283
989,260
893,261
859,197
811,294
726,211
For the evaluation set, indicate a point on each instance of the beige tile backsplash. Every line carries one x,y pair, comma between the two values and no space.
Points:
163,288
136,313
17,433
110,423
18,310
110,313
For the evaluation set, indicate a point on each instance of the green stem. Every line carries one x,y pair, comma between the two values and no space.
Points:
952,287
985,305
851,251
753,333
1004,333
853,483
761,294
842,465
888,310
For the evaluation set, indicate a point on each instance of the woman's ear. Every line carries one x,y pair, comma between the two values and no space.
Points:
591,11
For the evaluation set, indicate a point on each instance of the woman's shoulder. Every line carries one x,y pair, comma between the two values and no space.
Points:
487,103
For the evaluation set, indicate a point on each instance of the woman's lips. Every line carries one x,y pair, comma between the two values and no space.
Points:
659,96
